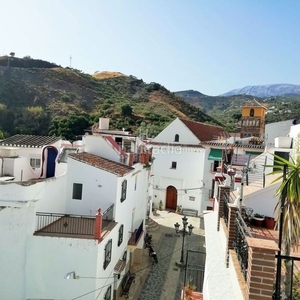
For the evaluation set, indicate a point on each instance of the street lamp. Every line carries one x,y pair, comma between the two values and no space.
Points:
184,232
71,275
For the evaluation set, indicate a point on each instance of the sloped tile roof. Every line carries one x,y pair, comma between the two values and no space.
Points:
29,141
253,103
205,132
102,163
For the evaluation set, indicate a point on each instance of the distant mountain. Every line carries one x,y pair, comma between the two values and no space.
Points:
266,90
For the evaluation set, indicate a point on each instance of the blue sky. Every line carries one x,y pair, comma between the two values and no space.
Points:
205,45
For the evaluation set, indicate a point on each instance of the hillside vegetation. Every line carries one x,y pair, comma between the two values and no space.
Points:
37,97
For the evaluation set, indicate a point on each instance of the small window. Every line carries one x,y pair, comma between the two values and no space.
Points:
120,239
191,198
35,163
107,254
251,112
77,191
176,138
124,190
174,165
107,295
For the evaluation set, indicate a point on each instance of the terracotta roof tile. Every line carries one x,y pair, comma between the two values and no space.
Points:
205,132
29,141
102,163
253,103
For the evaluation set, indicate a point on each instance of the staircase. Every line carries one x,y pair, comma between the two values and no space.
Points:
256,173
152,225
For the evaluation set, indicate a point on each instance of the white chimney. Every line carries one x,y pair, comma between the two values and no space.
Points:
104,123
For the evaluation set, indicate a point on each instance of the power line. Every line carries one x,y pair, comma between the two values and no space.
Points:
123,276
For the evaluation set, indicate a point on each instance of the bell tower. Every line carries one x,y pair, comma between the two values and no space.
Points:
253,119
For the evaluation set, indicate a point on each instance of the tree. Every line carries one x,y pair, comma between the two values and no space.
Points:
126,110
289,199
12,54
1,135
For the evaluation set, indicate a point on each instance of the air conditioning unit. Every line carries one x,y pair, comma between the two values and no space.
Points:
9,152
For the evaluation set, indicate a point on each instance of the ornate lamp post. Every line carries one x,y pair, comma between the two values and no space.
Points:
184,232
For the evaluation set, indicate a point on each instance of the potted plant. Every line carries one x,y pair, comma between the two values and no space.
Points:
160,205
189,289
269,223
258,219
178,209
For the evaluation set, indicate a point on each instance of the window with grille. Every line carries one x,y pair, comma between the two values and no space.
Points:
107,254
107,295
120,239
176,138
124,190
77,191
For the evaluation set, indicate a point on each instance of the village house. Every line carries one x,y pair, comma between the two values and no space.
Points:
237,252
85,224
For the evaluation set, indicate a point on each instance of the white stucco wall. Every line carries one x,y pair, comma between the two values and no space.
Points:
16,226
219,282
276,129
176,127
188,177
96,145
50,258
98,191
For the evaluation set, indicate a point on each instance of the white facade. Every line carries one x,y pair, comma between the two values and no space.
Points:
34,266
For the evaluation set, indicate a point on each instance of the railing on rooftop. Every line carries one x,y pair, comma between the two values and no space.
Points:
108,214
65,224
135,236
240,242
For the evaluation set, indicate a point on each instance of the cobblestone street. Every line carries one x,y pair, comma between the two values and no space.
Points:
162,281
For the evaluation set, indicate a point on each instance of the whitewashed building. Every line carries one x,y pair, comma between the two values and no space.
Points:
84,224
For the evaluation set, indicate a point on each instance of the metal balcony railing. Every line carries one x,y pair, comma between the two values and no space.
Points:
135,236
240,243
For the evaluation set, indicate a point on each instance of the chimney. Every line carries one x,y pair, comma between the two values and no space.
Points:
104,123
98,226
131,156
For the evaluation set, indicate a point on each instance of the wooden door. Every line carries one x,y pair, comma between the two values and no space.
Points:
171,198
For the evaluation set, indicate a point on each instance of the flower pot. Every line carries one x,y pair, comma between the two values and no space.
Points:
269,223
258,221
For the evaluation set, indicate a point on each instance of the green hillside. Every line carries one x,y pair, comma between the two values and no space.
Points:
37,97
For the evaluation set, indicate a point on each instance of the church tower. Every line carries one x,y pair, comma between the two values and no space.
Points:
253,119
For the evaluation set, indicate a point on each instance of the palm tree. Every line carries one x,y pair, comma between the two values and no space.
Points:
288,211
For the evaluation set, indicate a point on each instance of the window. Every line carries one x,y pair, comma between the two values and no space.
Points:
191,198
107,295
107,254
77,191
123,191
176,138
120,239
251,112
135,182
174,165
35,163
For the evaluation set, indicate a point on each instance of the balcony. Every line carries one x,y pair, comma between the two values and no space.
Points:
74,226
135,237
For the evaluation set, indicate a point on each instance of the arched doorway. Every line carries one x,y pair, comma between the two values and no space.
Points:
171,197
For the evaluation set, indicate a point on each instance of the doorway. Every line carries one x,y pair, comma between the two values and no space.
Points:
171,198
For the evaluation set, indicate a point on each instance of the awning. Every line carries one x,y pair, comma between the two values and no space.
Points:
253,153
215,154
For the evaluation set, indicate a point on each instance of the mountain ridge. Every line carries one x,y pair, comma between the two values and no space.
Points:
267,90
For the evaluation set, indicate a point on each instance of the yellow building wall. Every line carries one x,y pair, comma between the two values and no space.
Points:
258,111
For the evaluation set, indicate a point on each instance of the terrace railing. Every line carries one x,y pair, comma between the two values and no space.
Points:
135,236
65,224
108,214
240,242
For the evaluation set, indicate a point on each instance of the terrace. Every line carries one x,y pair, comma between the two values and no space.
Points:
251,249
75,226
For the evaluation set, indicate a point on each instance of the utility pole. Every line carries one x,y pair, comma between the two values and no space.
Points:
70,61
